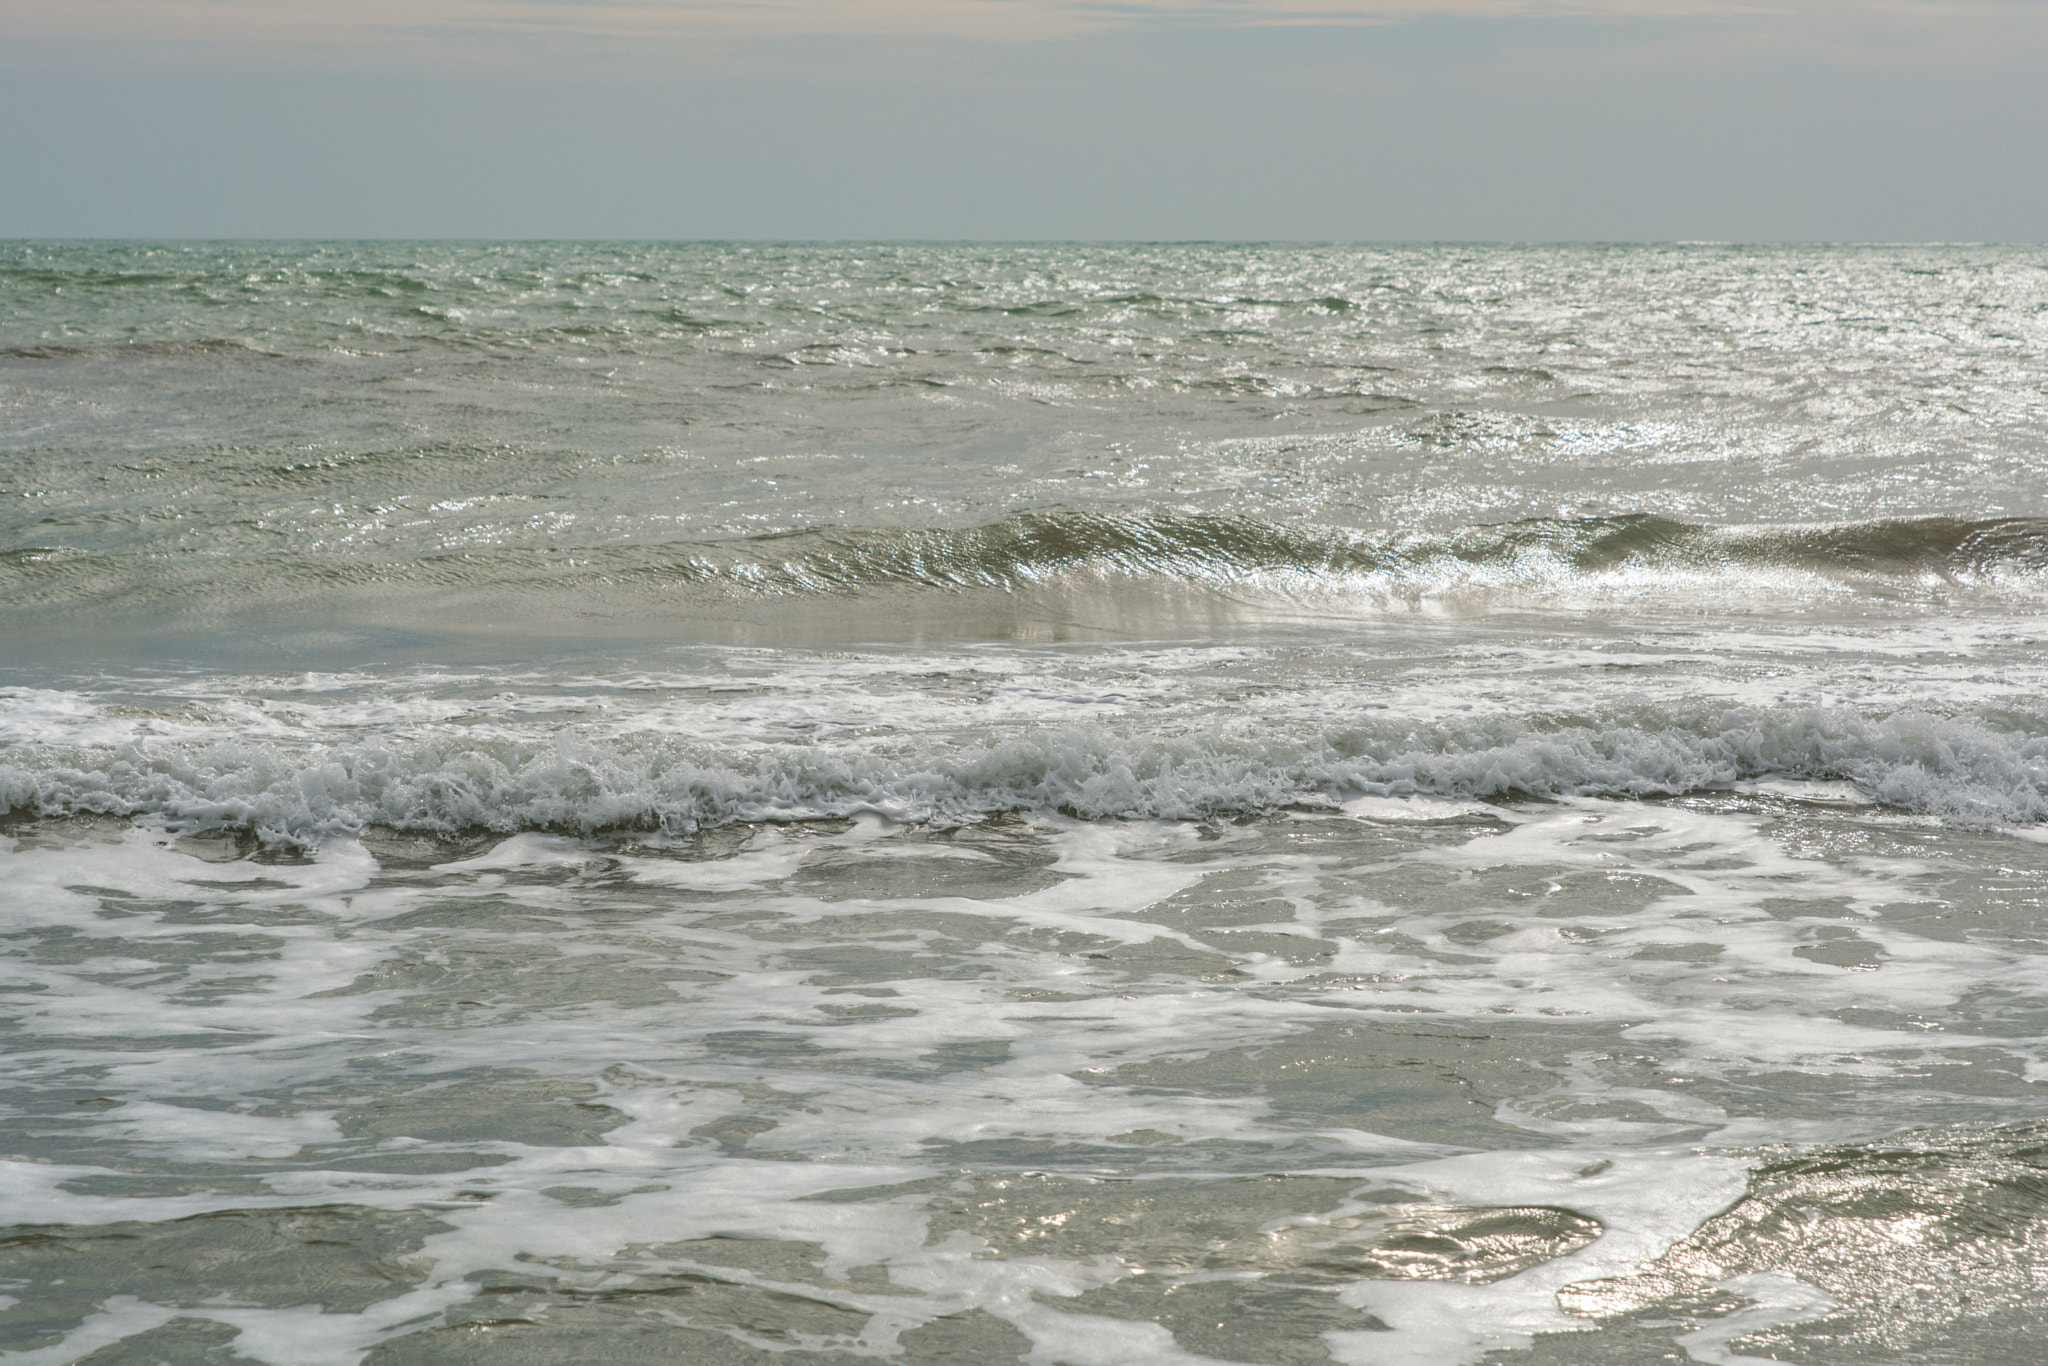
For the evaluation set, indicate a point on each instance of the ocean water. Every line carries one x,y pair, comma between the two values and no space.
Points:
1072,805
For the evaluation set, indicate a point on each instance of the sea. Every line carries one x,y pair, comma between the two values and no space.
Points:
1061,804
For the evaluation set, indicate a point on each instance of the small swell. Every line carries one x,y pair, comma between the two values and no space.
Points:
1247,564
202,346
1537,556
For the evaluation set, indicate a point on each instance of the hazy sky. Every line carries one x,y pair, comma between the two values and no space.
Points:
1326,119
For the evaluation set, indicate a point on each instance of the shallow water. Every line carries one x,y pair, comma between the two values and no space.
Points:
1069,805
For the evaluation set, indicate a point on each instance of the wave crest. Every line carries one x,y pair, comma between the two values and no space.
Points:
1960,769
1542,554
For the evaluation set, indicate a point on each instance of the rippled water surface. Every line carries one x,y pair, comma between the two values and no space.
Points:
1069,804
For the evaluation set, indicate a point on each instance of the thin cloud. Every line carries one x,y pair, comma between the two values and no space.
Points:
472,32
375,22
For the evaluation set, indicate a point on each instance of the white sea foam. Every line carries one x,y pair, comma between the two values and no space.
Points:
818,1017
1325,744
1956,768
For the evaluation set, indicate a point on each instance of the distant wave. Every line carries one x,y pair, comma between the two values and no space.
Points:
1540,554
201,346
1576,563
1959,768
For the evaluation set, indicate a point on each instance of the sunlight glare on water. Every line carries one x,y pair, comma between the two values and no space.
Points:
1072,804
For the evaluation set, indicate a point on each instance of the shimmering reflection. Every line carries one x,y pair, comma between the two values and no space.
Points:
1925,1246
1429,1076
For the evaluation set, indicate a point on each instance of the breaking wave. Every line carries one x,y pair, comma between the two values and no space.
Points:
1959,769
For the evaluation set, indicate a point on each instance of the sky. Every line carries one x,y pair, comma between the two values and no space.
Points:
1344,120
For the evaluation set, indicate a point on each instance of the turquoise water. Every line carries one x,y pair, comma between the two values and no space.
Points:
1074,804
